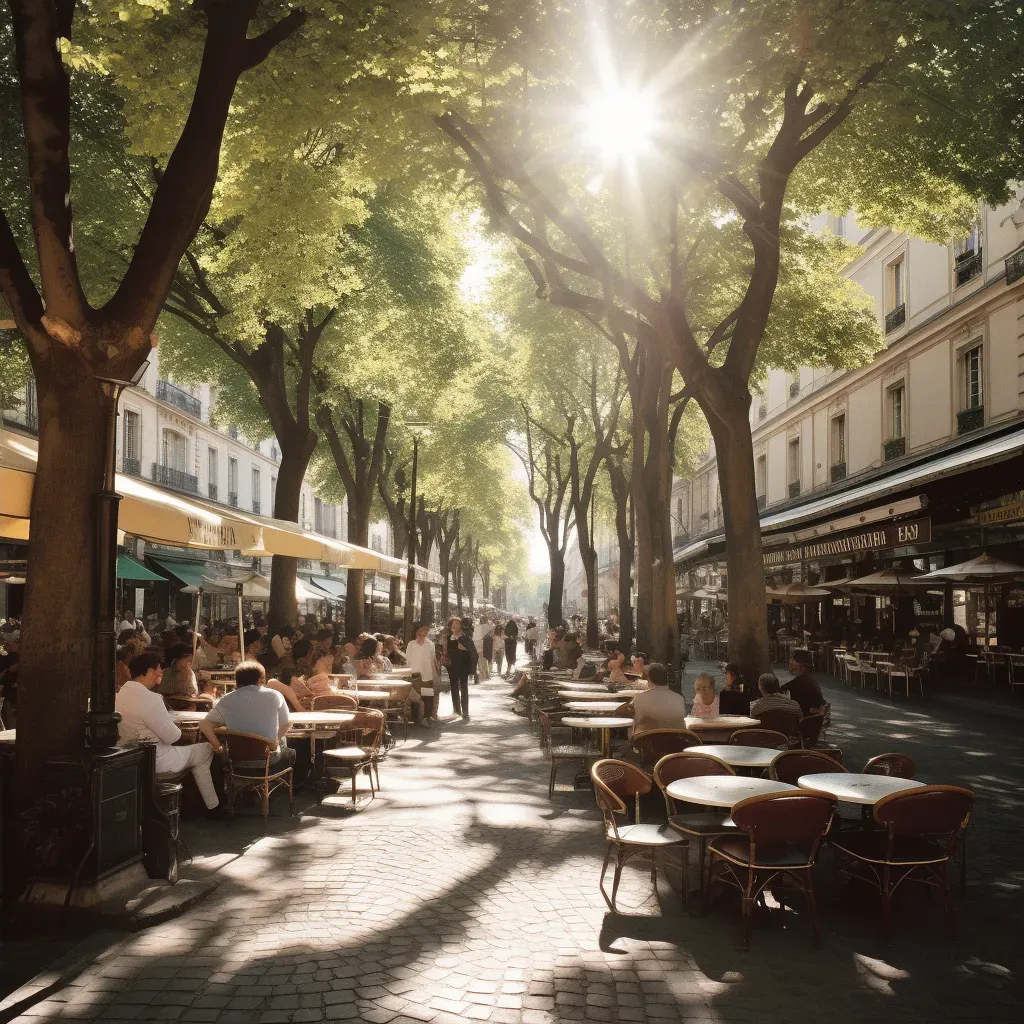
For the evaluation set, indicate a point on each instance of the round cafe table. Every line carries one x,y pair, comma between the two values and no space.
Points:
627,693
605,724
568,684
723,790
594,706
718,730
852,788
586,695
737,756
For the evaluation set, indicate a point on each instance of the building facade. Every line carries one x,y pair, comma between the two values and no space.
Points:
575,597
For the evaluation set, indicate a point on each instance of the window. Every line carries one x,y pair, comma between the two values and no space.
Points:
255,488
318,515
838,439
273,492
173,454
793,468
761,475
705,495
968,246
895,285
973,394
896,411
233,475
211,466
130,447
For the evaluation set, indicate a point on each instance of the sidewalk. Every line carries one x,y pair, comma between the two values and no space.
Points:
464,894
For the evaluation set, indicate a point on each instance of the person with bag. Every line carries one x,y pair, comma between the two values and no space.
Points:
459,657
511,641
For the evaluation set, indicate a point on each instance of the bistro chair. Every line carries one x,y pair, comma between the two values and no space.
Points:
869,673
562,754
357,751
781,835
615,782
791,765
187,704
899,766
758,737
700,825
917,834
334,702
809,730
786,722
650,747
247,768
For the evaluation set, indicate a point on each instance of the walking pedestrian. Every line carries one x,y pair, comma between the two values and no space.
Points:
422,658
460,660
511,640
480,631
498,646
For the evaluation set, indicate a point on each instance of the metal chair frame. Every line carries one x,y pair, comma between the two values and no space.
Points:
267,784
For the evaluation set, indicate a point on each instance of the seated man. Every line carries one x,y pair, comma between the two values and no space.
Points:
802,687
145,717
659,707
771,699
253,708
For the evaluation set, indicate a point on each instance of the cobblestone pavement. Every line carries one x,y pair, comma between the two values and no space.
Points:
463,893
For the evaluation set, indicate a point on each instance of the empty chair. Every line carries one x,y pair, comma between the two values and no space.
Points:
247,767
562,754
869,674
781,835
781,720
809,729
791,765
650,747
757,737
854,675
900,766
357,751
615,783
916,838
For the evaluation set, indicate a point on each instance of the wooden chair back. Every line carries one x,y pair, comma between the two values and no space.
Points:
791,765
757,737
653,745
900,766
775,819
334,702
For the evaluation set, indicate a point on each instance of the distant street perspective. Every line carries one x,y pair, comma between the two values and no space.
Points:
512,512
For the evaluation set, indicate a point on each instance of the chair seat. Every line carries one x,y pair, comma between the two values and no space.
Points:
646,834
702,824
737,850
872,847
347,753
573,750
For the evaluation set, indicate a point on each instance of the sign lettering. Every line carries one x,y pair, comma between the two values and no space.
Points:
203,533
890,535
1003,514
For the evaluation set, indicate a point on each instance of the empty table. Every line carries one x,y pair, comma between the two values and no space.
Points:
594,706
605,724
723,790
737,756
852,788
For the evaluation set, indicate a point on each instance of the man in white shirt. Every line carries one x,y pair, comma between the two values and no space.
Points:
480,630
422,658
144,717
659,707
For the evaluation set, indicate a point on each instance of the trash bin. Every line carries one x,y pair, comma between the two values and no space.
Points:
160,832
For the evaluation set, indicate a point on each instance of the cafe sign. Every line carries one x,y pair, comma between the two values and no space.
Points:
205,534
878,538
1011,513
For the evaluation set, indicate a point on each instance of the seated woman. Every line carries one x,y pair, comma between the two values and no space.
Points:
639,665
178,679
365,664
293,688
393,653
733,700
615,670
705,700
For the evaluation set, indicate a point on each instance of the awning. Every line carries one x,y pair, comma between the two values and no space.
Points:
334,589
190,573
255,587
129,569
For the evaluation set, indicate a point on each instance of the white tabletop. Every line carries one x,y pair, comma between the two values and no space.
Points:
592,722
8,736
627,693
368,695
594,705
568,684
320,717
722,790
737,756
188,716
587,695
852,788
721,722
388,682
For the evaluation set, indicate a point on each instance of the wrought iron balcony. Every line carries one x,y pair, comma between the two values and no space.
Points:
970,419
256,505
794,388
837,472
762,502
896,318
212,488
794,489
233,499
894,448
175,479
131,467
969,265
1015,266
167,392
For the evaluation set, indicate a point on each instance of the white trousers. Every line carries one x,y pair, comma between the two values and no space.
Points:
197,757
483,666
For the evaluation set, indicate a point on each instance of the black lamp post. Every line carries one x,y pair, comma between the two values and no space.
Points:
101,719
418,429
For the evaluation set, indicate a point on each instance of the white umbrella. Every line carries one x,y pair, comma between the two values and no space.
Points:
796,593
710,594
885,580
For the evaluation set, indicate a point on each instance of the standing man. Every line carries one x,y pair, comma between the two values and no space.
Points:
480,631
803,687
531,636
422,658
460,659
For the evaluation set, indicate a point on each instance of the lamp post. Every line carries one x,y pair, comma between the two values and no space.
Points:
418,429
101,719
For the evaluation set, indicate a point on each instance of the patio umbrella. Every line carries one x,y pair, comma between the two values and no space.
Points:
885,580
711,594
981,571
796,593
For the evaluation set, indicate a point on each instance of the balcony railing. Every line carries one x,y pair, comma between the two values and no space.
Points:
794,489
762,502
896,318
1015,266
172,395
837,472
131,467
969,265
894,448
212,488
233,499
175,479
256,505
970,419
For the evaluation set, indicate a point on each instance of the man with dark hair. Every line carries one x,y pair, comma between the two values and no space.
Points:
144,717
803,687
253,708
658,707
771,699
178,679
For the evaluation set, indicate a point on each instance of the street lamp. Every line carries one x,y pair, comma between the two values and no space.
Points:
101,720
418,429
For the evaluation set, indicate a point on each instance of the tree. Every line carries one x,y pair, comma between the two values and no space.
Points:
709,259
71,342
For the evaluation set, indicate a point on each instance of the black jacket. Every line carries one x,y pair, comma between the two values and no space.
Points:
460,652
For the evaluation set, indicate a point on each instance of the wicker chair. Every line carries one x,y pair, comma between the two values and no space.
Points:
357,751
917,835
188,703
615,782
650,747
791,765
334,702
567,753
782,833
786,722
757,737
247,767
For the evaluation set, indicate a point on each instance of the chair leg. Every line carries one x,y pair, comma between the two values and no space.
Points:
748,908
265,793
551,783
947,905
353,773
812,904
963,860
886,903
604,871
291,794
618,875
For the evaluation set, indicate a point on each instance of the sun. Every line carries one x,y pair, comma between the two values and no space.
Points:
621,123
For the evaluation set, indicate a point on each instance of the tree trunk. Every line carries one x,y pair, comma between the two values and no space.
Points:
620,494
58,623
296,451
355,593
589,557
556,591
734,447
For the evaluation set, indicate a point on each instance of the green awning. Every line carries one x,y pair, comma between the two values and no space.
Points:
333,588
190,573
129,569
